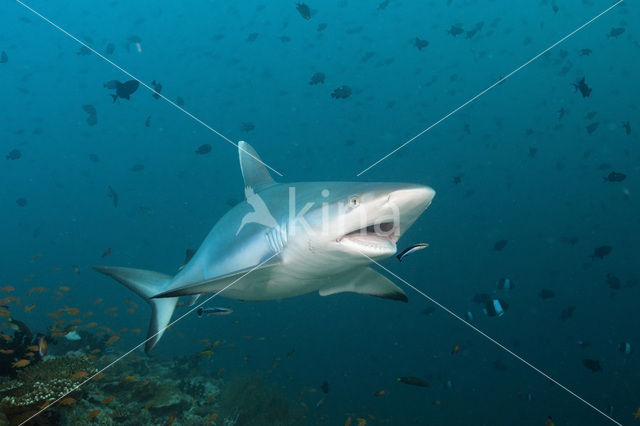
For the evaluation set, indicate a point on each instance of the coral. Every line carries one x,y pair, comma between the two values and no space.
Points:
41,383
246,400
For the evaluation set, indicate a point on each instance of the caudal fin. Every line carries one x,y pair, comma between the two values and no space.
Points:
146,284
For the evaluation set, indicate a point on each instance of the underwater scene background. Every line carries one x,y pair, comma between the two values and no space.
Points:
537,182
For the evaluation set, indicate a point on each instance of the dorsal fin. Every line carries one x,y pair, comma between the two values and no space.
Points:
254,172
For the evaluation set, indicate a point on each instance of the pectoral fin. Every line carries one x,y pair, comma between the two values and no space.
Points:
366,281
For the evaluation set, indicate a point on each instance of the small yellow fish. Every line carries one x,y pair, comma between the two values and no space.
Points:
64,288
7,289
129,379
112,339
381,392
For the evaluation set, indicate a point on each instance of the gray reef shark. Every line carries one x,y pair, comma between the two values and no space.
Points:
286,240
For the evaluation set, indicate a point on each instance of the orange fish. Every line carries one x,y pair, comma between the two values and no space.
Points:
21,363
6,337
29,354
211,418
108,399
348,421
29,277
57,293
93,414
68,401
106,252
112,339
29,308
72,311
90,325
33,348
211,398
455,349
98,300
147,405
36,290
111,309
172,417
36,256
6,351
4,312
98,376
79,374
129,379
64,288
7,289
131,311
380,393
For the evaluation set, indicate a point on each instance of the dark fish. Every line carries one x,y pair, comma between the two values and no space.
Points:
123,90
203,149
92,117
325,387
495,307
157,88
428,311
285,39
110,48
420,44
499,365
247,126
414,248
627,127
3,57
137,167
383,5
252,37
22,202
592,364
567,313
499,245
217,311
456,180
89,109
304,10
592,127
321,27
601,252
342,92
317,78
545,293
83,51
481,298
147,122
413,381
582,87
585,52
532,151
111,193
180,101
14,154
505,284
614,177
613,281
473,31
94,158
456,30
615,32
561,113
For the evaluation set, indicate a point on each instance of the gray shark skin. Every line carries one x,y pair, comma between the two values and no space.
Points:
289,240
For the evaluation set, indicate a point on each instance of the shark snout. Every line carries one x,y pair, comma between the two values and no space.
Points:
414,199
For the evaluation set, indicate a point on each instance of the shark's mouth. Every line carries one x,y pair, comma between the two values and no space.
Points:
373,240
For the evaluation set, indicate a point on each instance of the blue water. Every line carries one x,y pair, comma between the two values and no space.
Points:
200,52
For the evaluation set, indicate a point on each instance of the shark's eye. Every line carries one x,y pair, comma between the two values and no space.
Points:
354,201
